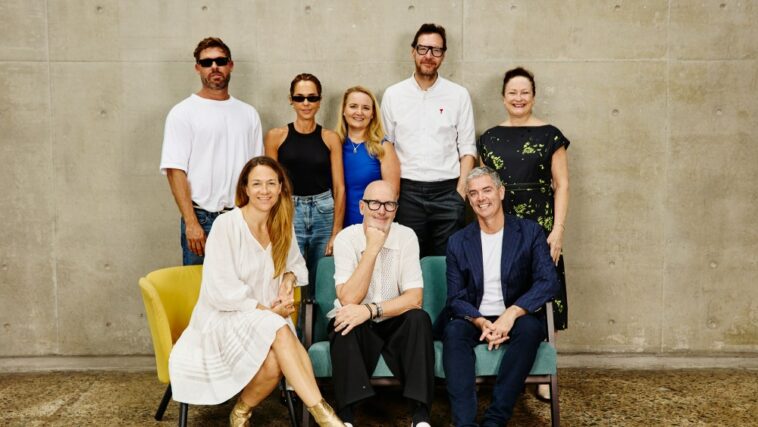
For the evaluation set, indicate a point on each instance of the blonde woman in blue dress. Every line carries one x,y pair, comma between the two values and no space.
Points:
240,337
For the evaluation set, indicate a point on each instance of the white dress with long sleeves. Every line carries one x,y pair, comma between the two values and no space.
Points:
228,337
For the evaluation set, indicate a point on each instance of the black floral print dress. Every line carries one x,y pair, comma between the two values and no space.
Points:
522,155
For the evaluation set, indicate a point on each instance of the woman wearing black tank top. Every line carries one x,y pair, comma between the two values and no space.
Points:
312,157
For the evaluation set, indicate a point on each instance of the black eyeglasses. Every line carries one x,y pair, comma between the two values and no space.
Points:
207,62
374,205
436,51
302,98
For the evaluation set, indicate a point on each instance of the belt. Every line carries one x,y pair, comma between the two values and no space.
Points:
313,197
194,205
448,183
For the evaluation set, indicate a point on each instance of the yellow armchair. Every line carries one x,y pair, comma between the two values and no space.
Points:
170,295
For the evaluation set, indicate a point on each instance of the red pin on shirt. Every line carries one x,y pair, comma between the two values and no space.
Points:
441,109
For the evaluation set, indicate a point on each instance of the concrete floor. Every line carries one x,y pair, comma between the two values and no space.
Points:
589,397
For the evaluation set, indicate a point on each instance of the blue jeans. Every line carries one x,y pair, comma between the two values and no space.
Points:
458,359
206,221
314,219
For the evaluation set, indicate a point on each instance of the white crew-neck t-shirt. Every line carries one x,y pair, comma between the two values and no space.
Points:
493,303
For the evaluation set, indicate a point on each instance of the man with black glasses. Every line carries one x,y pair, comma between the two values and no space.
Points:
431,122
378,308
207,140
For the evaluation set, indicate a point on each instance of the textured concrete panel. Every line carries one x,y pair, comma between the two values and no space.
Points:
714,29
28,306
104,214
101,273
170,30
710,238
23,35
27,279
86,30
87,103
612,309
381,32
557,29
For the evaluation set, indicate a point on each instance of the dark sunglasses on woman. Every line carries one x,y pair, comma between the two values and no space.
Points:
302,98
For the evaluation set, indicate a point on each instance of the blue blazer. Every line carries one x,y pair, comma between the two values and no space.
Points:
528,275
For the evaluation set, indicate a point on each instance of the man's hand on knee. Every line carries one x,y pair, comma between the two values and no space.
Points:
350,316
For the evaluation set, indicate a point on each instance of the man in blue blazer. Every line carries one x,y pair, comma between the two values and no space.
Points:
499,276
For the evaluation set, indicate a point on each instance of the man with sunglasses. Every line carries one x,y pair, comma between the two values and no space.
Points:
378,308
431,122
207,140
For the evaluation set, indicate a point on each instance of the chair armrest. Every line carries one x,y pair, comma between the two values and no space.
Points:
550,323
308,322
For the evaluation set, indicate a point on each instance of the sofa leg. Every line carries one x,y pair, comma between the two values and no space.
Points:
555,413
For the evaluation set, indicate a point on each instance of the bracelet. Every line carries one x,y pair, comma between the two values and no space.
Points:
379,310
561,225
370,311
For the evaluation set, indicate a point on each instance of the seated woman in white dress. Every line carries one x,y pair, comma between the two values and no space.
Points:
240,337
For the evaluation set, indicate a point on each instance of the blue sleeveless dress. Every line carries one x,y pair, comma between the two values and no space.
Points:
361,168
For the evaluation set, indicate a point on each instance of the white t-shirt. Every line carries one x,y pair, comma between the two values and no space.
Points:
432,129
397,267
211,141
492,249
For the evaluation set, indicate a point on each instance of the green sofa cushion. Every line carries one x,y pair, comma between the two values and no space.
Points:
322,364
488,362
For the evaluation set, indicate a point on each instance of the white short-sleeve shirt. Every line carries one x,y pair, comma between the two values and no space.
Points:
211,141
397,267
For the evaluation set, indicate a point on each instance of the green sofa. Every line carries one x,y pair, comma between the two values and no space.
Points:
435,293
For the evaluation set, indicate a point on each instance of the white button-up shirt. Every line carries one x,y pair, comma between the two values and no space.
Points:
397,267
432,129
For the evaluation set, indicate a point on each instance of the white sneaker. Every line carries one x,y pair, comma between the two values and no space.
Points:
421,424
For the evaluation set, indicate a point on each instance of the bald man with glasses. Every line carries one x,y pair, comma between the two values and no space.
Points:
378,308
207,140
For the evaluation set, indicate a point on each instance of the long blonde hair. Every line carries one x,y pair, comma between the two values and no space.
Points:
279,222
375,128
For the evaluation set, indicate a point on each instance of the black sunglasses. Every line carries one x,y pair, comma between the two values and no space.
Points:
221,61
301,98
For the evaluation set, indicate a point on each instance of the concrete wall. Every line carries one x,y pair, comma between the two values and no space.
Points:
658,98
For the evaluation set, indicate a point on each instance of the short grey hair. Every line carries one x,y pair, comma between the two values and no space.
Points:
484,171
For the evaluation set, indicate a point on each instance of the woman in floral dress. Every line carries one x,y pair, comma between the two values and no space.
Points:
530,156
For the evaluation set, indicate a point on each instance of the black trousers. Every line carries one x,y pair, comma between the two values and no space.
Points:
434,210
405,342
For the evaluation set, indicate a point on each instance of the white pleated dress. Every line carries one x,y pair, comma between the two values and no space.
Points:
228,337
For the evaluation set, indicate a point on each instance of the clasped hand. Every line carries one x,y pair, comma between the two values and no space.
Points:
283,306
349,316
496,333
284,303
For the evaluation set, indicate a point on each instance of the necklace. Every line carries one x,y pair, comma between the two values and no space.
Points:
355,146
